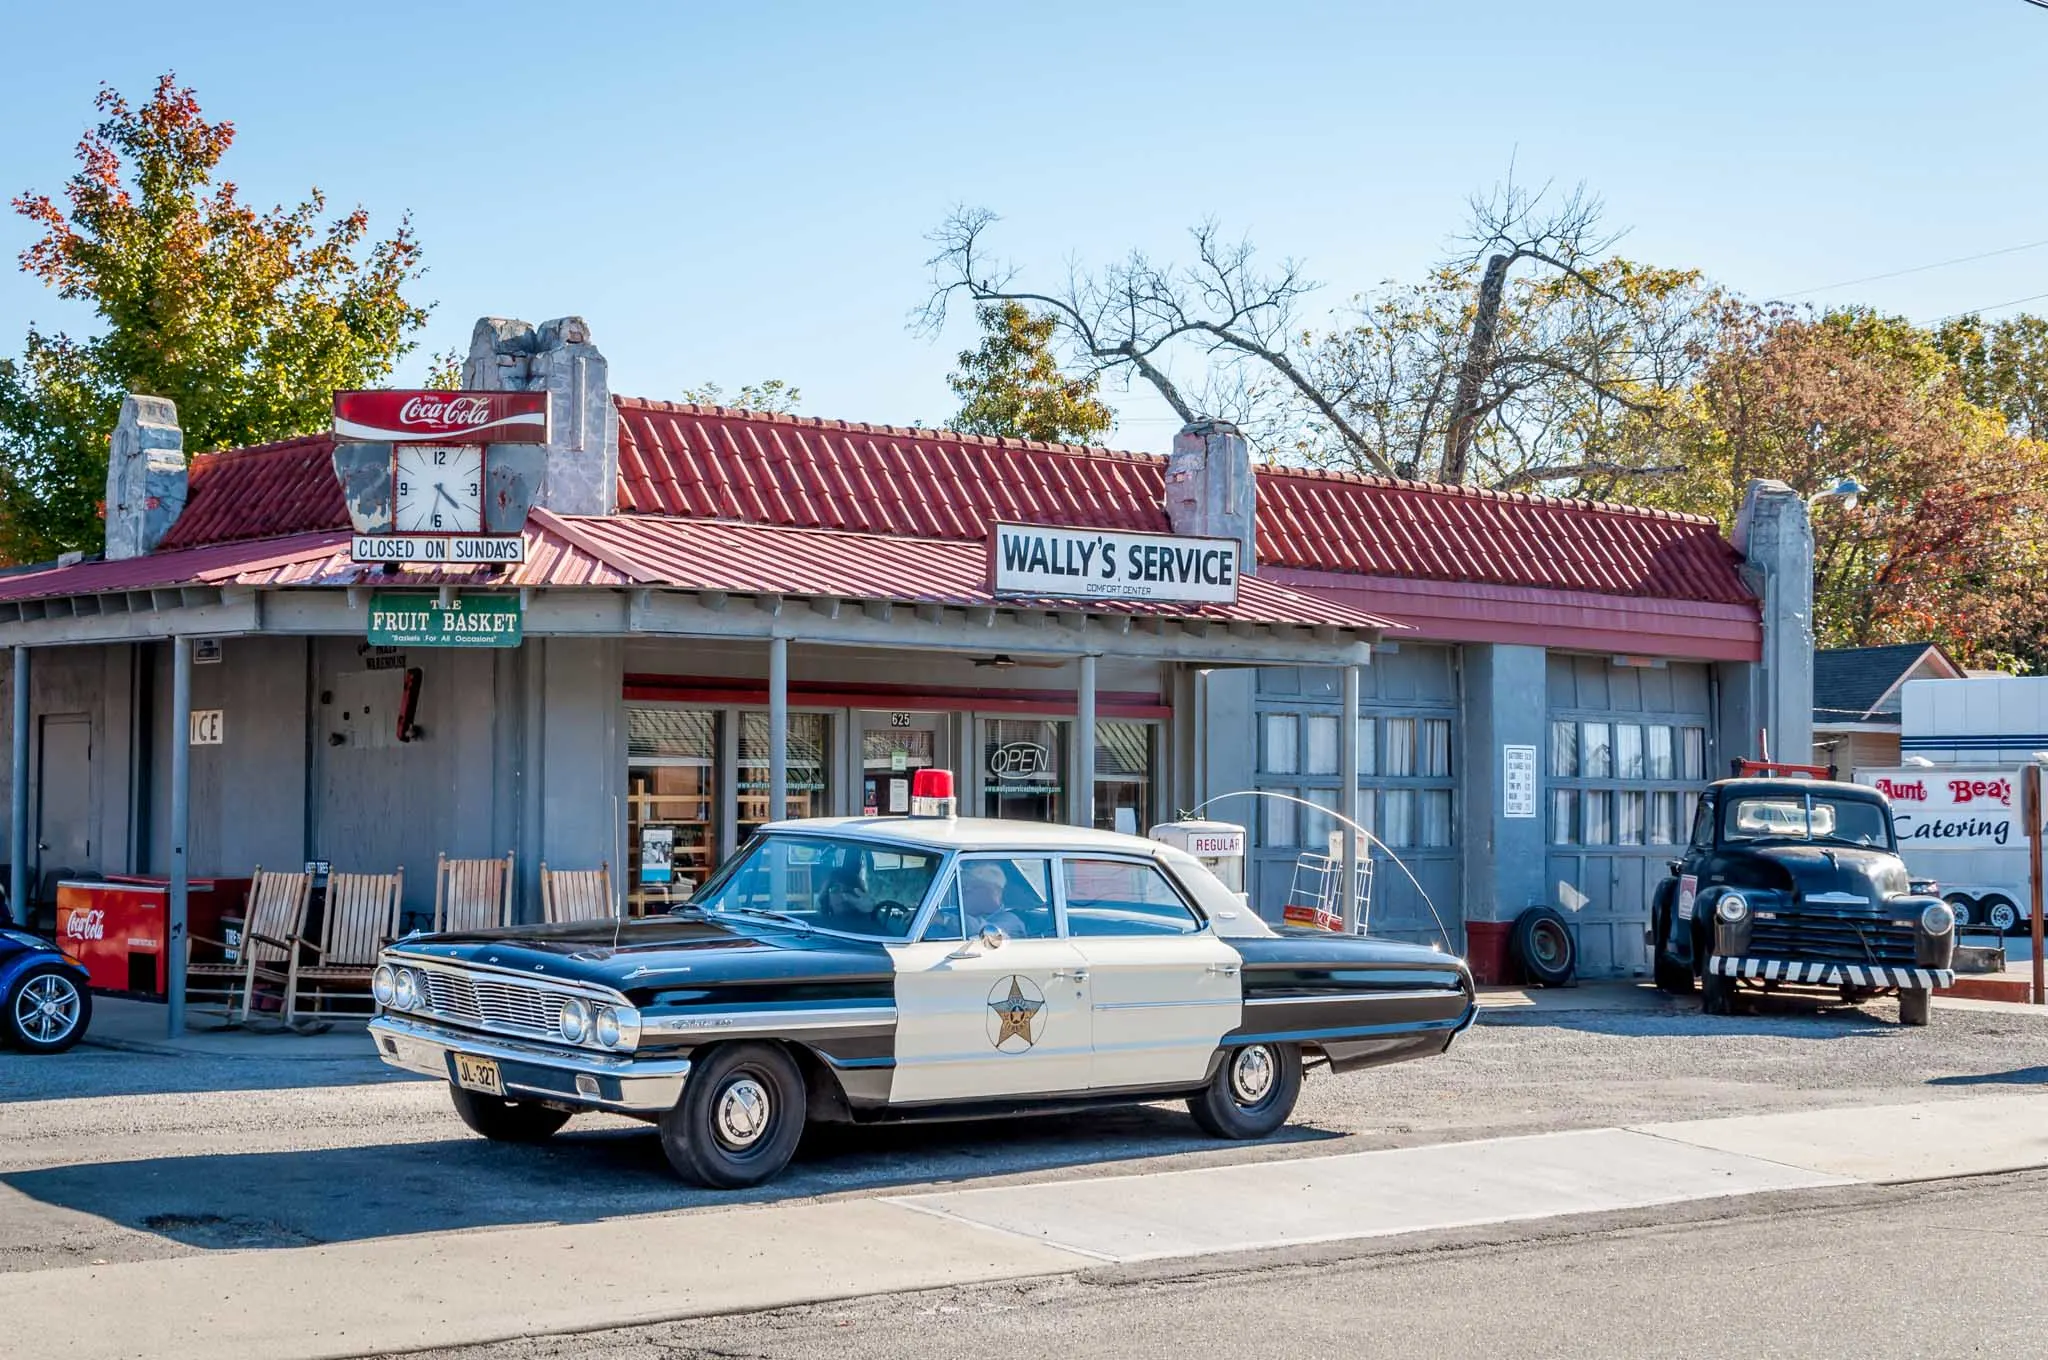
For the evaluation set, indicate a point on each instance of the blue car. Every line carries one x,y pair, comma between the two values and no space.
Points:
45,1004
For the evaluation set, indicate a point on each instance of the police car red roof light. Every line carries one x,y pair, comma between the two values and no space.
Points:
931,794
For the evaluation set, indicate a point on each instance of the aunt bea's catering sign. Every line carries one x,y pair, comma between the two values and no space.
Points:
1036,560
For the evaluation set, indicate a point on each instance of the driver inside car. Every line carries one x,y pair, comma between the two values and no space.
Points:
844,902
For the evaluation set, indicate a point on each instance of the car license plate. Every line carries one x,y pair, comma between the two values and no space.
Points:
479,1074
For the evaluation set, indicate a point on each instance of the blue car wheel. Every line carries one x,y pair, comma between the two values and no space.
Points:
46,1011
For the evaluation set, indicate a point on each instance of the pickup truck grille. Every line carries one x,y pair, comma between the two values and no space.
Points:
487,1003
1829,937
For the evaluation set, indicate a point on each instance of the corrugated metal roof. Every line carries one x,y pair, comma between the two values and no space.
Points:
262,491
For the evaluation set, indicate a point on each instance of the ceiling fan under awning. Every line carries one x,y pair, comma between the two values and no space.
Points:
1003,661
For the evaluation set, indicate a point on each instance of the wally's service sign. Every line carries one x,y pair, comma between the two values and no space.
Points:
1952,809
1035,560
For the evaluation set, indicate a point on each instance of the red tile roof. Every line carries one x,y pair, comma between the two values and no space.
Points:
715,463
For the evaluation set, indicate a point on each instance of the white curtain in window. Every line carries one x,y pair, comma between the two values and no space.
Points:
1283,743
1368,746
1629,817
1694,766
1436,817
1322,745
1280,821
1596,751
1400,746
1397,812
1660,764
1597,824
1628,751
1436,747
1564,750
1564,816
1663,819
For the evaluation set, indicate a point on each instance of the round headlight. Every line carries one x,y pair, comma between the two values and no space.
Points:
617,1026
1938,919
574,1021
405,989
1732,908
607,1027
383,984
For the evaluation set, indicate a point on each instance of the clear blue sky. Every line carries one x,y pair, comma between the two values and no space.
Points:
734,192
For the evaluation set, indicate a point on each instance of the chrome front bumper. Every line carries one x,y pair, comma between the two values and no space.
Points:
1832,974
598,1081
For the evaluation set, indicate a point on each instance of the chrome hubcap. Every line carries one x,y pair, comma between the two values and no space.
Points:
1251,1075
743,1113
47,1009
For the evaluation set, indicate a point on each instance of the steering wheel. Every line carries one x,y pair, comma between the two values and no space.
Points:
894,917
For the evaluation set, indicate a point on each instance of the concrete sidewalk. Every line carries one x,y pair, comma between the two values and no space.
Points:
456,1288
133,1026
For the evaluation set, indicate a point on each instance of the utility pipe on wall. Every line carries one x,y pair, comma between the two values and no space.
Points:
181,833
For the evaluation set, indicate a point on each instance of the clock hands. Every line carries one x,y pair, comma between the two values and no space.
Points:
442,492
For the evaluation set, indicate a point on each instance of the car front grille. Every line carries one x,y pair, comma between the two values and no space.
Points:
487,1003
1830,937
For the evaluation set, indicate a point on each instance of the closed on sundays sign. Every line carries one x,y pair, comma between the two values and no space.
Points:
1037,560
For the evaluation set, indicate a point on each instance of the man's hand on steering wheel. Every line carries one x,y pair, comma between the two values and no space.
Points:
894,917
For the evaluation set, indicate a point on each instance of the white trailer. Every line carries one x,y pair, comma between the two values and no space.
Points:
1960,825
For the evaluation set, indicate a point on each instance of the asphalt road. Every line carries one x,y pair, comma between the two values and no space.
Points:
110,1156
1944,1269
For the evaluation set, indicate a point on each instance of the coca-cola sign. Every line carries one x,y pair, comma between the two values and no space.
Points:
442,417
88,924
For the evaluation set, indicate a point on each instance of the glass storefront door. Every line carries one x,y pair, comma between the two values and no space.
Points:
893,747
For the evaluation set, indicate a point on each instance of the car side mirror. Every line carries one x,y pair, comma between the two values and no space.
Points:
992,937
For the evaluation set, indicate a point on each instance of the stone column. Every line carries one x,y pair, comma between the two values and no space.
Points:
1211,491
1775,539
580,473
1506,703
146,477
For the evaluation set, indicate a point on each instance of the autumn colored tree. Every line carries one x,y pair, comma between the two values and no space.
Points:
2002,365
247,319
1011,384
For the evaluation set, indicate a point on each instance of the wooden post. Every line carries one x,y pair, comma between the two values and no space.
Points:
2030,808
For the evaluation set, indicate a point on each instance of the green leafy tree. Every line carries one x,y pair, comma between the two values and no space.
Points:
772,395
1012,385
2003,366
247,319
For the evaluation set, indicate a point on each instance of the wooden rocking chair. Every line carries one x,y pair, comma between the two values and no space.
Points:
577,894
360,919
472,894
274,920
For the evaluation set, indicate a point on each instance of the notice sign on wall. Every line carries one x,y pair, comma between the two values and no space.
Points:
1035,560
1518,781
469,621
208,727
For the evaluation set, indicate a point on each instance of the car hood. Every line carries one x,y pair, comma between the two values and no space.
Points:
660,954
1875,875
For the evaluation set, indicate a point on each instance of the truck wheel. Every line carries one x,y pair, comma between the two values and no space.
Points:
740,1118
506,1121
1672,977
2000,914
1252,1093
1717,993
1913,1006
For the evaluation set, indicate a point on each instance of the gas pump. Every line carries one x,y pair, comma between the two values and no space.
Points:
1218,845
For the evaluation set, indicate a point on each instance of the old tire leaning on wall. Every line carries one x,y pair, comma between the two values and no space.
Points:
1543,947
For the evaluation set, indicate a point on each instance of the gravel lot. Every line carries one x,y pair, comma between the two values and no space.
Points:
121,1156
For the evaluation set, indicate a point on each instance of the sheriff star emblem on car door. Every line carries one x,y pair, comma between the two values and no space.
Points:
1014,1005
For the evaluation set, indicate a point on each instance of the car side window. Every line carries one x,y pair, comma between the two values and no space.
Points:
1011,893
1120,897
1703,826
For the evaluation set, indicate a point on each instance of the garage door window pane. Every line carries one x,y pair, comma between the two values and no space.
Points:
1564,750
1629,816
1397,813
1283,743
1316,826
1280,821
1436,747
1436,817
1694,764
1322,746
1596,751
1598,821
1564,817
1660,762
1628,751
1400,746
1368,745
1663,819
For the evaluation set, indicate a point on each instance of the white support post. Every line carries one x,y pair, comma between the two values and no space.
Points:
778,728
17,868
181,832
1347,794
1082,812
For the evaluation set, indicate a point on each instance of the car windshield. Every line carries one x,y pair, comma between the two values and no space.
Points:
823,882
1805,817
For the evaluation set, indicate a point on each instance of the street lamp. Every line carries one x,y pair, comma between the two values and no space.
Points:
1846,491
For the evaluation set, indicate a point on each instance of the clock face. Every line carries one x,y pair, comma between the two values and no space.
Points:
438,490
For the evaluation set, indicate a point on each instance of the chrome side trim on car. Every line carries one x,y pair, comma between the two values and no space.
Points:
822,1017
643,1085
1408,994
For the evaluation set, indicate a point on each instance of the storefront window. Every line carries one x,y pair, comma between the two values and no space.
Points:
1023,770
1123,776
671,802
808,787
889,756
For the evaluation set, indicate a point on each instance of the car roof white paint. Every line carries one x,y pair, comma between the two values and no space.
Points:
972,833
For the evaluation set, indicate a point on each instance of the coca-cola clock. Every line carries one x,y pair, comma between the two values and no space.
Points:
440,477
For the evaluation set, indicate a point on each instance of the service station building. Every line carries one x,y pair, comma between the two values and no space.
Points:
718,617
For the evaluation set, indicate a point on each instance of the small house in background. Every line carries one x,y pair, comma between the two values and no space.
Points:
1856,698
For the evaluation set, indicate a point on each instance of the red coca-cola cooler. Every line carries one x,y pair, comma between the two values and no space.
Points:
116,927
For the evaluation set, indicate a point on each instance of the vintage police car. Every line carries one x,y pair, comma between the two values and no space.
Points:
1798,883
870,969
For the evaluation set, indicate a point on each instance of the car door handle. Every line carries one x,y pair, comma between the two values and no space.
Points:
1224,969
1074,974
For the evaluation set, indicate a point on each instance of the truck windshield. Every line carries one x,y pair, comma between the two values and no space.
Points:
1805,817
824,883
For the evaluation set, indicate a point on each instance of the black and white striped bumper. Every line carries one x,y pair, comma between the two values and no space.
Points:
1832,974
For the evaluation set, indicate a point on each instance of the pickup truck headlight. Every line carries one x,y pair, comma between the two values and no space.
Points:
574,1021
405,990
617,1027
384,985
1938,919
1732,908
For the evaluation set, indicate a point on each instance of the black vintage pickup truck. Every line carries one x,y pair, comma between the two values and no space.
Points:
1797,883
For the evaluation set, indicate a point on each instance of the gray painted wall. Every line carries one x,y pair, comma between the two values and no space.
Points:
97,684
1503,856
